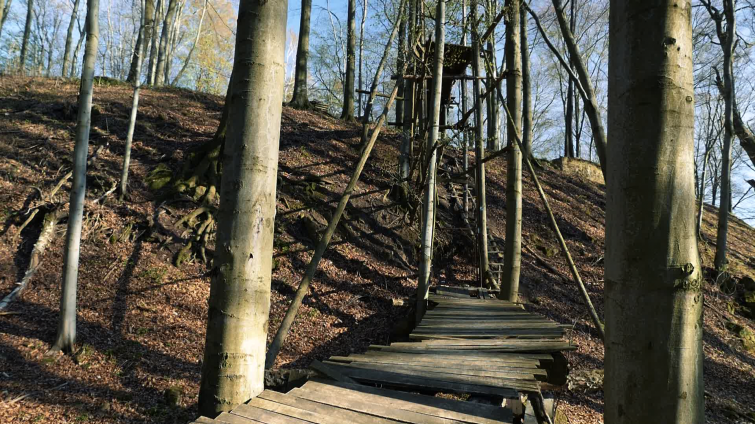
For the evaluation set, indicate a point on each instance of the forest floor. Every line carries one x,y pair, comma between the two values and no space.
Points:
141,320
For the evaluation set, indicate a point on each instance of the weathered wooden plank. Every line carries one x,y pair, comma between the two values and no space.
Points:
264,416
295,412
443,408
384,374
326,370
516,331
475,412
508,348
203,420
439,362
517,373
323,409
519,323
422,350
359,403
429,384
227,418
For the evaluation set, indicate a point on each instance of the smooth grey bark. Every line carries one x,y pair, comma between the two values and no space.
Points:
25,40
726,37
569,116
162,52
405,150
361,51
300,99
491,72
154,41
348,88
134,108
512,257
194,46
142,40
234,356
66,337
69,38
74,59
482,214
653,295
526,88
428,201
322,244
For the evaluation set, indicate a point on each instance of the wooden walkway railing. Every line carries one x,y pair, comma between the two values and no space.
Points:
463,346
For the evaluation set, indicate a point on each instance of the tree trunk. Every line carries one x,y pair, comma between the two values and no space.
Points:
482,214
239,305
591,102
27,32
526,88
67,323
428,203
300,99
361,51
162,53
154,41
142,40
348,90
492,101
569,119
654,357
75,57
726,37
407,141
134,108
69,38
512,259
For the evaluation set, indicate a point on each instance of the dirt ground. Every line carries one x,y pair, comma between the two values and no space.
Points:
141,320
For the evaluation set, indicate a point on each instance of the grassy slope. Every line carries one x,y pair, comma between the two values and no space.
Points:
141,320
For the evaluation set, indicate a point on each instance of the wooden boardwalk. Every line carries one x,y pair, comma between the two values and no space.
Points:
463,346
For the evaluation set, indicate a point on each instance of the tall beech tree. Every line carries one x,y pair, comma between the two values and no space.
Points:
69,38
163,53
653,297
239,305
512,259
67,322
431,149
348,89
726,31
300,99
142,40
27,34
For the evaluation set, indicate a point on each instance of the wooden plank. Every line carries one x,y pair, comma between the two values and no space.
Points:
501,359
203,420
475,412
514,381
524,364
361,404
517,373
330,372
428,384
506,331
423,404
518,323
509,348
323,409
295,412
227,418
422,350
268,417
